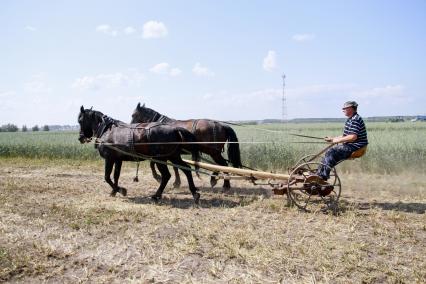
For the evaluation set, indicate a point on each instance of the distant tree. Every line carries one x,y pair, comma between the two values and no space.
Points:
9,127
24,128
396,119
46,128
35,128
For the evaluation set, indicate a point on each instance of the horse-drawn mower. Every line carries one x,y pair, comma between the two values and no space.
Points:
160,143
304,188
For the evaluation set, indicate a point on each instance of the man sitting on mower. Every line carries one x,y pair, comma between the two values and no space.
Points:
353,141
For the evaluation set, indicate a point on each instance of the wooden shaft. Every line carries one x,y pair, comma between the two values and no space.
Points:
237,171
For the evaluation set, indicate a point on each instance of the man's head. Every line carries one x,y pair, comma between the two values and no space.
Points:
350,108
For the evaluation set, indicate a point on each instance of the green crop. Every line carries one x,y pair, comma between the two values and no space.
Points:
393,147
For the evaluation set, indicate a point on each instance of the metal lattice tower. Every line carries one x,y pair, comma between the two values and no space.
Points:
283,103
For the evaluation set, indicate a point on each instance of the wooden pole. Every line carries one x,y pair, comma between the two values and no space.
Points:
237,171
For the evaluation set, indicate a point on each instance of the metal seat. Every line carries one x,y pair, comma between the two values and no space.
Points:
358,153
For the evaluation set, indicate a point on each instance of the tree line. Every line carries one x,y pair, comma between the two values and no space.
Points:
14,128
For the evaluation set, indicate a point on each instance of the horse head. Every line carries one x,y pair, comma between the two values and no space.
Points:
142,114
89,121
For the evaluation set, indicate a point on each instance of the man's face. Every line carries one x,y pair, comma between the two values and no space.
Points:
348,111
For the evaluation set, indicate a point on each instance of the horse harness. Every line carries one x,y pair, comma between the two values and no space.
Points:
106,124
160,118
214,130
147,129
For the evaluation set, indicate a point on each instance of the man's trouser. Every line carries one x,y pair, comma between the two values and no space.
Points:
332,157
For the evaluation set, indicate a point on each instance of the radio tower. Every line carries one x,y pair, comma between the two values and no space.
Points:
284,103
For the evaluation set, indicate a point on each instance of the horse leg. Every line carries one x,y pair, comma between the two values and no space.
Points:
117,170
165,174
154,172
177,182
109,164
192,188
222,162
213,179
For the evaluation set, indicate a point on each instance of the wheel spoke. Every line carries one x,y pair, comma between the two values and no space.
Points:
303,189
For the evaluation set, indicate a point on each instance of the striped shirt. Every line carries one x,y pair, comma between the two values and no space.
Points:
355,125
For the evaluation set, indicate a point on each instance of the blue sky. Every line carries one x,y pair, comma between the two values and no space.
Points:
210,59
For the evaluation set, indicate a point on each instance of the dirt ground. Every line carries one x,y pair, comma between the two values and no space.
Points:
58,224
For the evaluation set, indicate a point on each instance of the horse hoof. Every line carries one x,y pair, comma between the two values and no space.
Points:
123,191
135,179
197,198
176,185
113,193
156,198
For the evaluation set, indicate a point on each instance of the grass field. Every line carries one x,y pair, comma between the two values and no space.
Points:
393,147
58,223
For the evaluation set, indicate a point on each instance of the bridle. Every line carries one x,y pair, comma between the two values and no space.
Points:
100,129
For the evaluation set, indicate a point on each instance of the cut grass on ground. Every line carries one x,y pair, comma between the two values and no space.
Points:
58,224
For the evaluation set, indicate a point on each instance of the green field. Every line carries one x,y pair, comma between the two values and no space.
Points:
393,147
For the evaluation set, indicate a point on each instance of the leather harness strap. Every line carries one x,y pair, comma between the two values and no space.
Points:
194,126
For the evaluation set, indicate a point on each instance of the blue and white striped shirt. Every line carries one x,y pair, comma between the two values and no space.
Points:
355,125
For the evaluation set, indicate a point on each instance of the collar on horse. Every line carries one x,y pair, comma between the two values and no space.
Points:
160,118
106,124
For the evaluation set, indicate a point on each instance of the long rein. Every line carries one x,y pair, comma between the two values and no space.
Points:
138,156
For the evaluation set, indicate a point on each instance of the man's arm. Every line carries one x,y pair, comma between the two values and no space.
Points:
341,139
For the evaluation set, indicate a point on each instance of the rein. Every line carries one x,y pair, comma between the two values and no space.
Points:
214,142
106,123
139,157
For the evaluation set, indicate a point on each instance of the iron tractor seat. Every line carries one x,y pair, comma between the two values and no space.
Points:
358,153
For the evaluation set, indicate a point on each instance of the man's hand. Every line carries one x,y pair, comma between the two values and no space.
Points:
334,140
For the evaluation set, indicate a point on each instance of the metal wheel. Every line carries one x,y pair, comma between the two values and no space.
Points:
303,160
308,191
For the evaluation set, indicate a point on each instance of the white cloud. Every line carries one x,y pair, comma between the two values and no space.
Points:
160,68
30,28
395,91
303,37
106,29
154,29
38,84
7,94
264,95
321,89
318,94
202,71
103,28
113,80
129,30
270,61
165,69
320,100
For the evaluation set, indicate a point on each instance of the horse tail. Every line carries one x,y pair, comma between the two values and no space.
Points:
234,154
192,147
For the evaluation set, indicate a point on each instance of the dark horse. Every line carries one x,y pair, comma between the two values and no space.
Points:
204,130
118,142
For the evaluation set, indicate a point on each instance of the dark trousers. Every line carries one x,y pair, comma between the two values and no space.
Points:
332,157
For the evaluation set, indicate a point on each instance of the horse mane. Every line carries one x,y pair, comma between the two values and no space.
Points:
153,114
106,120
97,113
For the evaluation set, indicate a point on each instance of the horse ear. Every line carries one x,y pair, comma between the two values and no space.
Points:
91,108
82,109
138,106
143,105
